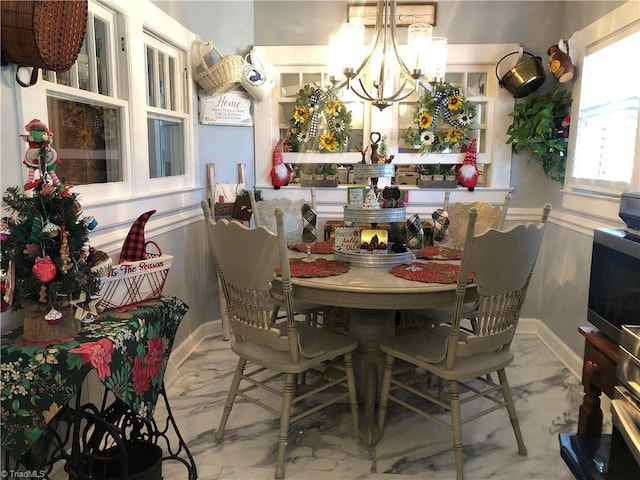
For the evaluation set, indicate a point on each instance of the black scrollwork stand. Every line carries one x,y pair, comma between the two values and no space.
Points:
86,437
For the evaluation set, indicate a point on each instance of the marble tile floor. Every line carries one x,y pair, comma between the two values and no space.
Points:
547,397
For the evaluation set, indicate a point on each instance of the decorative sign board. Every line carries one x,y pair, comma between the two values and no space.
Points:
230,108
406,13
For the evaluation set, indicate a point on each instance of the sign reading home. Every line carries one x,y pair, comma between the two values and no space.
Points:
229,108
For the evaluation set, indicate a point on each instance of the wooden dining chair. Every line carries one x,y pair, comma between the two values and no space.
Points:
489,216
209,219
264,216
501,263
272,355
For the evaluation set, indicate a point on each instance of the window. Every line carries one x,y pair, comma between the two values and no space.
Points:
607,127
604,152
165,110
122,116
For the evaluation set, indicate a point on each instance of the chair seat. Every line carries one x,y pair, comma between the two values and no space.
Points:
314,343
426,349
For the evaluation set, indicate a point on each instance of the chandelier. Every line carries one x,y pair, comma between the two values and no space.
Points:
374,80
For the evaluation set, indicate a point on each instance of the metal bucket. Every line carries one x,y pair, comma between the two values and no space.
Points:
526,77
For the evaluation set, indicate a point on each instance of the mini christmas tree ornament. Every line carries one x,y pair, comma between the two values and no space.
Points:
53,317
44,269
467,174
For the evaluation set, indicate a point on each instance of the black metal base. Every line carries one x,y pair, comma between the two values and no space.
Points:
86,438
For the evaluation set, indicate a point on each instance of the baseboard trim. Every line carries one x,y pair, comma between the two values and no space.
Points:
182,351
567,356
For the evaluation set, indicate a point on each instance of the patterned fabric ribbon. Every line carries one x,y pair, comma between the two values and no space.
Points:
440,224
308,224
441,99
316,101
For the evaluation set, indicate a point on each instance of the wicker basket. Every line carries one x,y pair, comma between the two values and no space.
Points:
43,34
221,76
134,282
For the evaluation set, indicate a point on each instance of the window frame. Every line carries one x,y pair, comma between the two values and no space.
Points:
577,197
137,192
475,57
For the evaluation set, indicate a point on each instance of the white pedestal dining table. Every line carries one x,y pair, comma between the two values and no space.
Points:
372,295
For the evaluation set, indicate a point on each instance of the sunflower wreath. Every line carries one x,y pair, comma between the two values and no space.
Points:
443,120
320,121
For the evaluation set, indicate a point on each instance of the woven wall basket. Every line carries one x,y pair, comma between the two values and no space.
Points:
43,34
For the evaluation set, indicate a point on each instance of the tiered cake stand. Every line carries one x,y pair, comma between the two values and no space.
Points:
358,214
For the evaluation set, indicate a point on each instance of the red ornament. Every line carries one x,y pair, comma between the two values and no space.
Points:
44,269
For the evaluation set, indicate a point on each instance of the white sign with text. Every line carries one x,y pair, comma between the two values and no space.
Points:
230,108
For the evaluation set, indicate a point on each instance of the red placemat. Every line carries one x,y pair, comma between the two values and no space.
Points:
429,272
440,253
320,268
319,247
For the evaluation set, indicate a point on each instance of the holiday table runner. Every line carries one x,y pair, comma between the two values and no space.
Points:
129,348
320,267
429,272
439,253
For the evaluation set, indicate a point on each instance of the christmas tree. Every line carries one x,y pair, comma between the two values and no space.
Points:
46,257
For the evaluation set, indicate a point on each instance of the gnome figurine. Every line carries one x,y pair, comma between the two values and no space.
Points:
280,171
467,174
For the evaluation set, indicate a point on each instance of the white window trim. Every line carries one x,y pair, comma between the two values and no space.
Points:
116,205
596,207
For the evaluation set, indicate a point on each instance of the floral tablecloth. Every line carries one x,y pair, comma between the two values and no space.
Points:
129,348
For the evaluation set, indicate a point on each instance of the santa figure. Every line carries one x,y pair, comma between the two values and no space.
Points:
280,171
467,174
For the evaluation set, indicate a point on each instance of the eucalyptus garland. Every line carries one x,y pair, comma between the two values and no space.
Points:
320,121
442,120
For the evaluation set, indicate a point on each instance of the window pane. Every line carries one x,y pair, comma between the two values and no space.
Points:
607,124
166,147
170,86
102,58
151,92
87,141
83,66
161,79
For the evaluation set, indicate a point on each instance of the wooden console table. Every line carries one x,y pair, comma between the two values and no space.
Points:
598,376
43,418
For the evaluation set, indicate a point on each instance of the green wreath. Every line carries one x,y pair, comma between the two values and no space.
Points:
320,121
442,120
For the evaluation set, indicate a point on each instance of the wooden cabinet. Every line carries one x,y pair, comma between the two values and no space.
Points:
598,376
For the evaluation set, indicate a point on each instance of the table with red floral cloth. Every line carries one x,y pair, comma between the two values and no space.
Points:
319,248
439,253
429,272
128,348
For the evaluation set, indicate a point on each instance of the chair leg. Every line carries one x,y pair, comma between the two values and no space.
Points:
456,426
353,397
384,392
285,415
231,396
441,394
511,408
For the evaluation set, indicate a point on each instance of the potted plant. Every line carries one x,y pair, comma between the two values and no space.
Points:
450,174
436,172
541,125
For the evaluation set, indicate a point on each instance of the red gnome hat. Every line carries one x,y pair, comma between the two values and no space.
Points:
134,247
467,174
280,172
